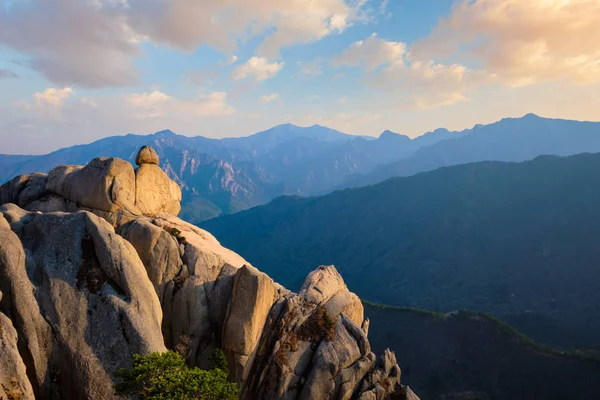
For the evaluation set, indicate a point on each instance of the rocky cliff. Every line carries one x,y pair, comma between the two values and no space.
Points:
95,266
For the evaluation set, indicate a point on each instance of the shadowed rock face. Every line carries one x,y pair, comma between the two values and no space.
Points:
96,278
14,382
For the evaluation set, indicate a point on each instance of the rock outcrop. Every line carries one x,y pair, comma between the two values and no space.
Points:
14,383
105,269
79,298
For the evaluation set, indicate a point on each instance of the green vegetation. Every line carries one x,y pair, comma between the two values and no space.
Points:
318,326
421,311
461,354
501,326
177,234
165,376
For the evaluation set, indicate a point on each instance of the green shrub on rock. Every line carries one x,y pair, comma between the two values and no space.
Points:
165,376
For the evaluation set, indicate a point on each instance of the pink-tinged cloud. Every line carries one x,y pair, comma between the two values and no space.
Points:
521,42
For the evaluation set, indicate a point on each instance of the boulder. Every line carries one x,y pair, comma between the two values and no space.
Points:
158,249
23,189
105,184
91,287
325,286
147,155
155,192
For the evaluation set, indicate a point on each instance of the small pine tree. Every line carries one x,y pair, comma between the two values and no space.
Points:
165,376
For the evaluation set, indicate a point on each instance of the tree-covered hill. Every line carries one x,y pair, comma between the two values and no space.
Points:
517,240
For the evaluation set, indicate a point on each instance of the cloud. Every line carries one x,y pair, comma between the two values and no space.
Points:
486,43
302,21
94,43
436,100
158,104
70,43
521,42
52,96
258,68
230,61
391,67
372,52
7,74
269,97
310,68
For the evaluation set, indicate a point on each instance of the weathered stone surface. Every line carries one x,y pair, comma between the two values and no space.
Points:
322,284
91,287
20,305
155,192
158,249
14,383
308,350
23,189
105,184
252,297
147,155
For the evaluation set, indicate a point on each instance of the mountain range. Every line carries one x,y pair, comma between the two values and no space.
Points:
232,174
513,239
224,176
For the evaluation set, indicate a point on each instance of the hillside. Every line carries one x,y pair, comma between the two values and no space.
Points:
512,239
510,139
465,352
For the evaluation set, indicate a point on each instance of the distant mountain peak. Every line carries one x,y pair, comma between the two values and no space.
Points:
165,133
389,135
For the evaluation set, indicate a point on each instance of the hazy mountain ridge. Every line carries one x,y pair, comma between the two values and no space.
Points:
227,175
222,176
504,238
510,139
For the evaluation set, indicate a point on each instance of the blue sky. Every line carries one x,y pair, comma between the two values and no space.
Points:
73,71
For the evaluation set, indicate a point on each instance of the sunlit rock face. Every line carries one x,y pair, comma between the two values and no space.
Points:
96,267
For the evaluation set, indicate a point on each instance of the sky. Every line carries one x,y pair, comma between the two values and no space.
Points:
74,71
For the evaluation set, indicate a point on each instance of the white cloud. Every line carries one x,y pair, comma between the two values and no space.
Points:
70,42
372,53
521,42
94,43
269,97
157,104
512,43
392,67
52,96
258,68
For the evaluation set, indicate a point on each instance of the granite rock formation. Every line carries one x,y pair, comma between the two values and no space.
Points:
95,266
